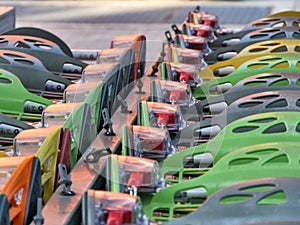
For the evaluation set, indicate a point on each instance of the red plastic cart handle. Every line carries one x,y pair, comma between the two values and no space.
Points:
184,77
202,33
163,119
174,96
135,179
118,217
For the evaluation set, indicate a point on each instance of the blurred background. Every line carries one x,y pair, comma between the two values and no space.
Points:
92,24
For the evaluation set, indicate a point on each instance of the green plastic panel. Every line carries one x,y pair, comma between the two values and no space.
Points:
14,96
145,114
251,130
280,159
81,129
32,73
250,53
94,100
114,178
288,62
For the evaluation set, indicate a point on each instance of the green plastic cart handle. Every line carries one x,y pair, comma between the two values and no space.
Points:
262,102
81,131
13,97
280,81
250,52
266,64
274,159
163,70
233,51
32,73
251,130
124,139
94,100
114,178
145,114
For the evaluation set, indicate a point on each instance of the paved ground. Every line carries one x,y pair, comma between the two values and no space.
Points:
92,24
